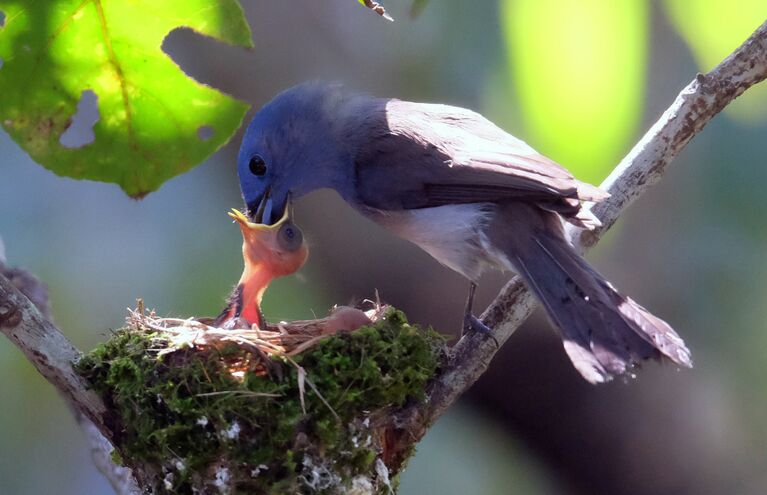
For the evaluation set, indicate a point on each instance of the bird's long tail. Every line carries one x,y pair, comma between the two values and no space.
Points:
605,333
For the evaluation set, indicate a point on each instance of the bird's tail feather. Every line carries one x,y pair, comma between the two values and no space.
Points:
605,333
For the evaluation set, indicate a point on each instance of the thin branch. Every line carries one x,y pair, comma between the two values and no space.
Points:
695,106
50,352
24,314
37,293
377,8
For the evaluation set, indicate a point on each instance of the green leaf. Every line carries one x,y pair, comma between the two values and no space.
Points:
713,29
154,121
578,69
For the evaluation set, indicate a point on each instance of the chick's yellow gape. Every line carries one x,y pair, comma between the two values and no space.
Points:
269,252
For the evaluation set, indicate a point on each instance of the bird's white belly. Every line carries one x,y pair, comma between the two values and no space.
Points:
452,234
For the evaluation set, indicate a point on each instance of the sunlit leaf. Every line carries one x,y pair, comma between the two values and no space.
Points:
578,68
713,29
153,123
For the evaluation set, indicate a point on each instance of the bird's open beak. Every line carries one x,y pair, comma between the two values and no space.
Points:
263,211
256,210
266,210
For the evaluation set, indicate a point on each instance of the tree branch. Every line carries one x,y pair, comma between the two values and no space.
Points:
377,8
645,164
120,477
24,314
50,352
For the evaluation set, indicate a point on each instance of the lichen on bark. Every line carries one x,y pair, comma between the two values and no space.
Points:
229,419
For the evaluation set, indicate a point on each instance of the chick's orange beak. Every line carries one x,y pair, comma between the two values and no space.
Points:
257,237
249,227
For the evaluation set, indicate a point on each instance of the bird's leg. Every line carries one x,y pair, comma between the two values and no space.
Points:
471,322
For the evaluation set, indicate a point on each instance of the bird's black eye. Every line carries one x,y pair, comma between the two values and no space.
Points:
257,165
290,237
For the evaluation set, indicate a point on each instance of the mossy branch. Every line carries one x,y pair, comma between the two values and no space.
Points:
54,356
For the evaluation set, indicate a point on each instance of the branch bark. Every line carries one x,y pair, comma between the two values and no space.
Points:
24,319
120,477
53,355
645,164
50,352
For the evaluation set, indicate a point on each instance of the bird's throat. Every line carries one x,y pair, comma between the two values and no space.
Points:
254,281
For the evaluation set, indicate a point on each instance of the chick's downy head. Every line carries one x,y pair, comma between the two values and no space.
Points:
279,248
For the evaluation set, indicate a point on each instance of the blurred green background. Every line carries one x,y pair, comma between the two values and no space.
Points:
580,81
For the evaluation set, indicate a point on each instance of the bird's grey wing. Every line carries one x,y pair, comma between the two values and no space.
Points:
421,155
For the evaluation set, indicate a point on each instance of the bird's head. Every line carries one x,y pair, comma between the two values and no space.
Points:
279,249
296,143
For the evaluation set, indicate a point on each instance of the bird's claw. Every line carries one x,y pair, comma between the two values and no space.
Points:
473,324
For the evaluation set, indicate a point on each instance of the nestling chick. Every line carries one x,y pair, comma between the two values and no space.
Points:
269,252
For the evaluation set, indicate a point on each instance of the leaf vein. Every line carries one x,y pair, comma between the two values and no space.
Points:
66,23
115,63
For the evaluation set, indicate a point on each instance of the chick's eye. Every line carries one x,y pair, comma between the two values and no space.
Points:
290,237
257,165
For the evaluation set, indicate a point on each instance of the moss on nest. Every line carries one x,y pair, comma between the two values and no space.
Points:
209,428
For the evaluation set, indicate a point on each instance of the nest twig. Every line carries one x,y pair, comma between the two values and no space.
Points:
283,339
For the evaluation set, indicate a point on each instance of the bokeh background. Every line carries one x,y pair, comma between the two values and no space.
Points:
581,81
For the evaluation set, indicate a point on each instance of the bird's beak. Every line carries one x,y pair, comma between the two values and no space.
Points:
256,210
266,210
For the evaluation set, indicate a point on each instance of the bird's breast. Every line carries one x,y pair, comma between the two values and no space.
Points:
452,234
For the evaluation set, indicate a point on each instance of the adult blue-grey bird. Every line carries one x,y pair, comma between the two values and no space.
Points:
466,192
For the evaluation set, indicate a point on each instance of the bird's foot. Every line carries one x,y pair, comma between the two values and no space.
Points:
473,324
